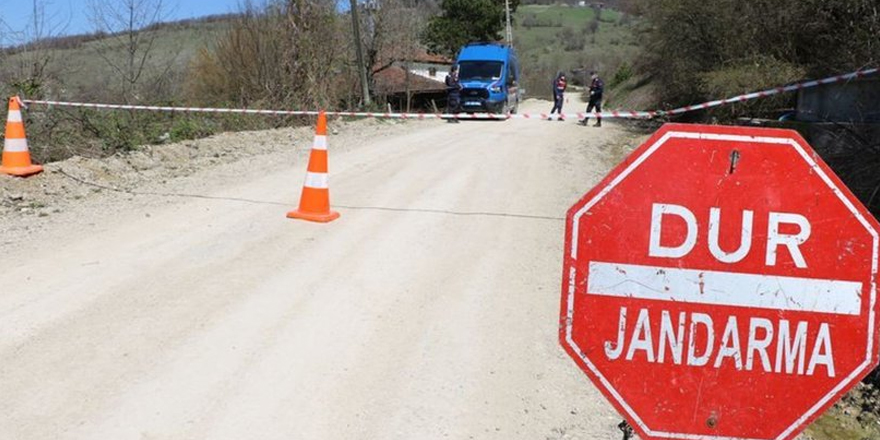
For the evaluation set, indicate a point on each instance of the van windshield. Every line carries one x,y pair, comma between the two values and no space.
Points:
470,70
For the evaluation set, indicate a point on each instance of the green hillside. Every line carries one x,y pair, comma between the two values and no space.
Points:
552,38
93,68
85,71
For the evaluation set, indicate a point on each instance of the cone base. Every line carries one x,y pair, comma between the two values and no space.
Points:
21,171
313,217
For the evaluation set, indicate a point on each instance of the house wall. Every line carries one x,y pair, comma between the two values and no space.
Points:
424,70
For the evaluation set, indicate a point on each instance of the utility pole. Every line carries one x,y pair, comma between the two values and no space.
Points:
509,30
362,66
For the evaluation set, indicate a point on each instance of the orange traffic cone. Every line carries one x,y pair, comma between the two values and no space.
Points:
314,205
16,157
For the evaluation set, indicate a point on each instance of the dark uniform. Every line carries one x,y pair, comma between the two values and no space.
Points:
559,85
453,93
597,86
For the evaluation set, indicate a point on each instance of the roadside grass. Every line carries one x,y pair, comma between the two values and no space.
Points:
854,417
837,424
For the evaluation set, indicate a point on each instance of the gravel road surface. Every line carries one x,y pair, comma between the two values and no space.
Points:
178,302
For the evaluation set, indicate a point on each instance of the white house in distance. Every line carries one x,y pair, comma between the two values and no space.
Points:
432,71
412,81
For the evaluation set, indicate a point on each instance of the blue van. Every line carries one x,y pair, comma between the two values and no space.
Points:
489,75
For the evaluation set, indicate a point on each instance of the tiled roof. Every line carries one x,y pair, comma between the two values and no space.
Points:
393,80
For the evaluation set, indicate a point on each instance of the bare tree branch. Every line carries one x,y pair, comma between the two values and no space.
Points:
131,39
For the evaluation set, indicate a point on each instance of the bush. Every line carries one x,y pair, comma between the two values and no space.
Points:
118,131
188,128
285,54
531,20
623,73
747,75
592,26
571,40
700,48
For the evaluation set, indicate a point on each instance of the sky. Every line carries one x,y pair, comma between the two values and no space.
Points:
72,16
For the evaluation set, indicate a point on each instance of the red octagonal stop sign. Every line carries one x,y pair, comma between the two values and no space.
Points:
721,284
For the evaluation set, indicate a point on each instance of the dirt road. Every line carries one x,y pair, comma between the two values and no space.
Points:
429,310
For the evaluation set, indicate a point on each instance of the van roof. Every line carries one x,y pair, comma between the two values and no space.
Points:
484,52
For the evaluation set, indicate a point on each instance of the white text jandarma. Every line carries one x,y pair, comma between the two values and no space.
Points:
771,346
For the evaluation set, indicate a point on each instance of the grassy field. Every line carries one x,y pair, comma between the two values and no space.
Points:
561,38
560,16
85,72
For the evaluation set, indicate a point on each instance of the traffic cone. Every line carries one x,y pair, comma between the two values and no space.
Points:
314,205
16,157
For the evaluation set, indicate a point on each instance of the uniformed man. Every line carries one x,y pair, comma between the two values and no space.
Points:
597,86
559,85
453,93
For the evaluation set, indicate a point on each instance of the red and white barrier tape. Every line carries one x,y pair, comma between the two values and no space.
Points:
775,91
579,115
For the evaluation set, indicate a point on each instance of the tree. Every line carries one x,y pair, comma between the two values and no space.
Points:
28,72
285,53
464,21
126,21
359,51
392,37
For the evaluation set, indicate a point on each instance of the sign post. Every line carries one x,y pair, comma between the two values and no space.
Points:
720,284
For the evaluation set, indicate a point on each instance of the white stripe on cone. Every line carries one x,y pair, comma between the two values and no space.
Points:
317,180
15,145
14,116
320,142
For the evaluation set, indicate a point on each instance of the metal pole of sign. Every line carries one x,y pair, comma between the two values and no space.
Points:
627,430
